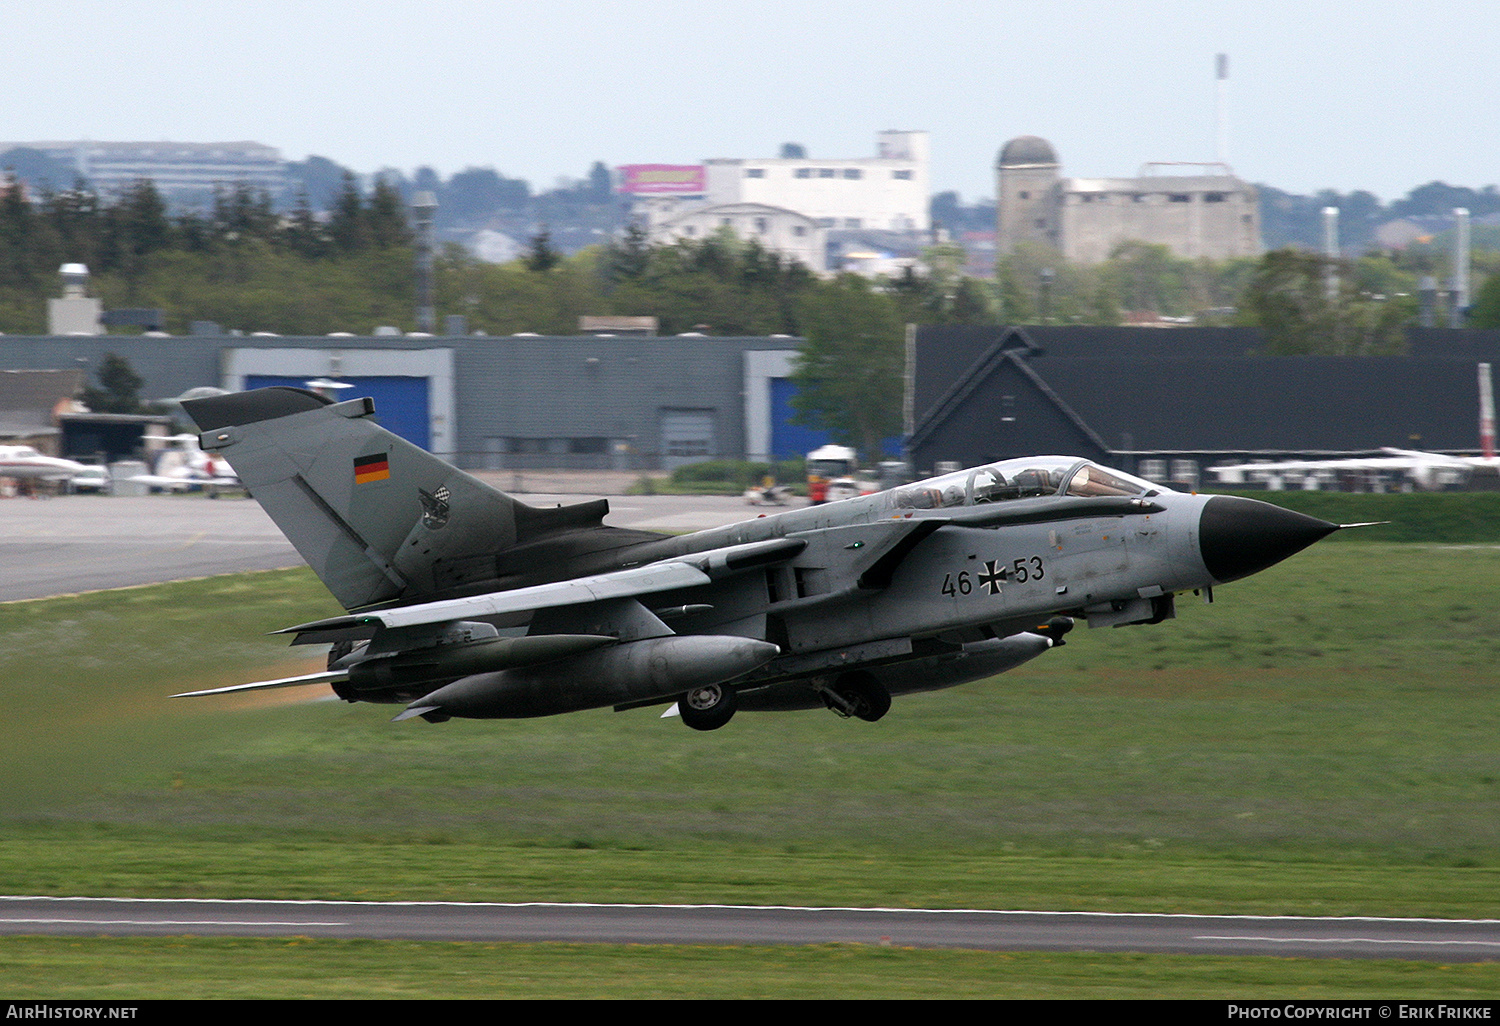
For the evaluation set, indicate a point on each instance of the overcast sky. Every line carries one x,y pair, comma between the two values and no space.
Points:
1343,95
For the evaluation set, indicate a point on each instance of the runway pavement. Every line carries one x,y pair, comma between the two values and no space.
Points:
1415,939
81,543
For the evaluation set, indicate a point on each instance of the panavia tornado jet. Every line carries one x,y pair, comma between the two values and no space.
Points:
462,601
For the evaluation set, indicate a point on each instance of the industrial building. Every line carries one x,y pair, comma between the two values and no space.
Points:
1210,213
1163,404
511,402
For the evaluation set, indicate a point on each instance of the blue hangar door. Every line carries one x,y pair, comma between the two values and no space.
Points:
401,403
788,440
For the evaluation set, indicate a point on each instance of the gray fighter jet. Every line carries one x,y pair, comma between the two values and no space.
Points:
465,602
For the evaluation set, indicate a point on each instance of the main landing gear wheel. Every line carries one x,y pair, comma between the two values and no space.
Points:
860,695
708,707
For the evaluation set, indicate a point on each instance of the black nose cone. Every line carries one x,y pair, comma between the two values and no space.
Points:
1239,537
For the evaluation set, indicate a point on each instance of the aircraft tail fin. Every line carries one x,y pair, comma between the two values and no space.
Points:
377,518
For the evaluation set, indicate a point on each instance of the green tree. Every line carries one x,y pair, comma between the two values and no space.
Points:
303,233
1289,299
944,295
18,229
1485,313
628,258
348,229
139,220
1147,277
75,217
936,298
849,372
1016,303
1019,274
974,302
541,257
386,217
135,227
241,211
721,284
119,388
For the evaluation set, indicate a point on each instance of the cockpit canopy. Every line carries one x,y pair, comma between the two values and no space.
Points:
1023,478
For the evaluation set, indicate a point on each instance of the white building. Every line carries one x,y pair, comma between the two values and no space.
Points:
888,192
181,171
495,247
793,235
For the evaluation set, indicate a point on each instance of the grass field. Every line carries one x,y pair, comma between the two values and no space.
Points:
189,968
1321,740
1444,517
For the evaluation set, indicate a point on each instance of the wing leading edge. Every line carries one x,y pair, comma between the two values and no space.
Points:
667,575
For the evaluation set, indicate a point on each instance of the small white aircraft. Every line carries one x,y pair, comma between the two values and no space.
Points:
22,461
1426,470
187,466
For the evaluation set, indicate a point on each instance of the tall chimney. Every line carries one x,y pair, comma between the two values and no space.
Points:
423,207
1331,251
1221,107
1460,268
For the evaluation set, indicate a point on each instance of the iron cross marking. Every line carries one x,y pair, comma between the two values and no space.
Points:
992,576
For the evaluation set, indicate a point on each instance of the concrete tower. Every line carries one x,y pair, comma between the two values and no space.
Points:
1026,174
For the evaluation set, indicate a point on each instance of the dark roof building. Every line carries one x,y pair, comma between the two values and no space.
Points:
1193,397
30,401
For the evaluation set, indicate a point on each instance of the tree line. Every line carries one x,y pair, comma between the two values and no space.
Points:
250,268
140,253
37,232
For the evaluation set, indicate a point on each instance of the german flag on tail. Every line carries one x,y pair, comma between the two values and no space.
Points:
371,468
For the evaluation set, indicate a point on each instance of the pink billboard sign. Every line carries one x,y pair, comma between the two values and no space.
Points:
662,178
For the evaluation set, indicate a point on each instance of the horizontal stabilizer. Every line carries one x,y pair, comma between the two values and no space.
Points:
324,677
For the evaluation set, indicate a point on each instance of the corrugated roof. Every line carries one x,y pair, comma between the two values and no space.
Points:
27,397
